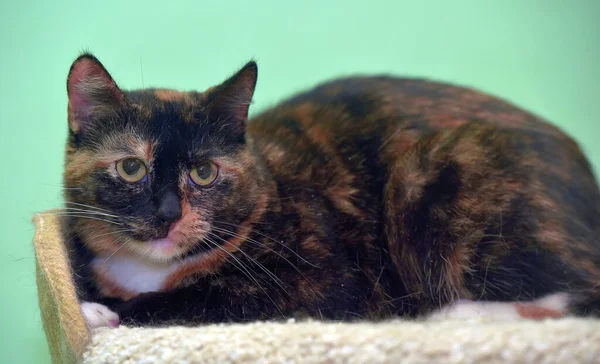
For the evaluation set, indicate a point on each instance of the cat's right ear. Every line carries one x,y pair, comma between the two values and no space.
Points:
92,93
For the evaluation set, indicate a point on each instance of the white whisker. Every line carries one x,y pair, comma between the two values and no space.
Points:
258,232
83,216
116,250
84,205
262,267
248,274
88,211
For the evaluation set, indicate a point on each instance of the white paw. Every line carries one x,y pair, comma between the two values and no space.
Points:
464,310
555,301
551,306
97,315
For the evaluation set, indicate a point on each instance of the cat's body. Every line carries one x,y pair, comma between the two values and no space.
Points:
366,197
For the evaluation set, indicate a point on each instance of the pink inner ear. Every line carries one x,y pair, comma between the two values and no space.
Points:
240,104
89,85
237,98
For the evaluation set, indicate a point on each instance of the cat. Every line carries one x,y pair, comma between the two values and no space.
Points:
363,198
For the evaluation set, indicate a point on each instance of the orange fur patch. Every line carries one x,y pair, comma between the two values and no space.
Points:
186,226
457,264
78,166
209,262
98,237
534,312
169,95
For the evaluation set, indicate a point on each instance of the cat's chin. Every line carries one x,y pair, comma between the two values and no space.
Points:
159,250
163,244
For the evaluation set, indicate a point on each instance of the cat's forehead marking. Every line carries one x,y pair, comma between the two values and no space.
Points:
144,148
183,103
135,146
169,95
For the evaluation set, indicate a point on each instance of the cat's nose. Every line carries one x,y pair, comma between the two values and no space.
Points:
169,208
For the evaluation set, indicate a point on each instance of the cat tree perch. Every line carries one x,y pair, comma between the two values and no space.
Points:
567,340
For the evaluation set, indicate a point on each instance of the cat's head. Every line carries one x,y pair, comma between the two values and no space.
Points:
152,171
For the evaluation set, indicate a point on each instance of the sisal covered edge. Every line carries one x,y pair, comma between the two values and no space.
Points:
66,332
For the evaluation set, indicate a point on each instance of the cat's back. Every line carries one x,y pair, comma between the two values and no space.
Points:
381,115
362,123
343,136
418,104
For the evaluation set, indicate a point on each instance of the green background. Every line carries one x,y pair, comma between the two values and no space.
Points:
542,55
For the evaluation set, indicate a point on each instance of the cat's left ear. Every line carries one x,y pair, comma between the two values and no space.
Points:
92,93
229,102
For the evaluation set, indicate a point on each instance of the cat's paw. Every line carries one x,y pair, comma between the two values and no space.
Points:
97,315
465,309
552,306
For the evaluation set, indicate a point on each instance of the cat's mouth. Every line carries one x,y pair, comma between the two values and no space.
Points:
182,236
174,244
170,241
159,245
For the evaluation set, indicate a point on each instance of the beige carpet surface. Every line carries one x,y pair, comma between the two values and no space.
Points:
562,341
567,340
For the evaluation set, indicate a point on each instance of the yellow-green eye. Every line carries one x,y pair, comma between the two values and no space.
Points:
132,170
204,174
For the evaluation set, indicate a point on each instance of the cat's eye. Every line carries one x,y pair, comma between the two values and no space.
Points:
204,174
131,169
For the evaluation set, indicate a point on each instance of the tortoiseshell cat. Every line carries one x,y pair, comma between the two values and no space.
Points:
365,197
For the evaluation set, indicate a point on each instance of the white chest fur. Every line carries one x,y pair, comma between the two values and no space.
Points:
134,274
